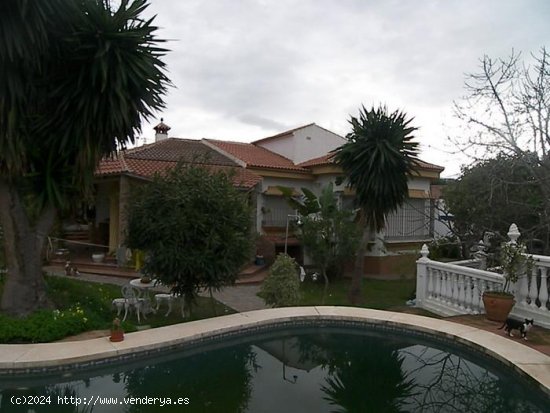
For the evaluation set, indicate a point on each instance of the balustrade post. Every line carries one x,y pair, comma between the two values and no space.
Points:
456,289
449,289
443,295
437,287
461,292
476,296
543,294
482,288
522,295
431,277
468,291
533,289
421,275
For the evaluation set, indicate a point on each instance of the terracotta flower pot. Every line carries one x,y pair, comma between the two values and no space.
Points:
497,305
117,335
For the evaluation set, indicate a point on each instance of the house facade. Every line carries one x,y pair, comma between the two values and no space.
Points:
298,158
301,158
114,179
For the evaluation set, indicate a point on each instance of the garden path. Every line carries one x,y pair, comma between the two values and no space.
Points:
239,297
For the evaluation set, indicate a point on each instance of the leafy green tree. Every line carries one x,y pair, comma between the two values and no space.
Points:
194,227
281,288
492,194
330,236
76,79
376,159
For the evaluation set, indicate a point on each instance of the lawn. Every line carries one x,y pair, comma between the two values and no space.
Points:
84,306
377,294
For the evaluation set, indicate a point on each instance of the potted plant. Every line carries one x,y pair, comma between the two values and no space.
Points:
117,333
514,262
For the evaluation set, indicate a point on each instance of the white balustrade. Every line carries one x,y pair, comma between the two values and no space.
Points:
453,289
449,289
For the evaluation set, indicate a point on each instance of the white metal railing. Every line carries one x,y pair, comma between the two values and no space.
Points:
450,289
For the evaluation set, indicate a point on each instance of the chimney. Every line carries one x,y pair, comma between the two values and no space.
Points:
161,131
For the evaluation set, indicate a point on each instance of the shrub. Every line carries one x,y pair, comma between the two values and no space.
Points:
45,325
81,306
447,247
281,287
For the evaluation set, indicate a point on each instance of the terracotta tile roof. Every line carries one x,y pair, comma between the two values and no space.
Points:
112,166
327,159
174,149
256,156
321,160
288,132
141,161
427,165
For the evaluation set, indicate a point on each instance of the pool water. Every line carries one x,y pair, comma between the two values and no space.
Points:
323,369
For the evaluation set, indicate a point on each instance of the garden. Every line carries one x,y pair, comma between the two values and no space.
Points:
82,306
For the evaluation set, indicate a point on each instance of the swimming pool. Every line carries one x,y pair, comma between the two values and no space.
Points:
298,366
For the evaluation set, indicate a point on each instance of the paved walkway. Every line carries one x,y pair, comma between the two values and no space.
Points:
240,297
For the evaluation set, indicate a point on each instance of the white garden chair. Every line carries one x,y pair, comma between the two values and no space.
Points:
133,301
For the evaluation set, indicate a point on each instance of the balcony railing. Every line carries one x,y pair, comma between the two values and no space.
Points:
413,221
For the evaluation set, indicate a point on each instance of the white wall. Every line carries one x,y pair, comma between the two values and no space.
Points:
284,145
304,144
419,183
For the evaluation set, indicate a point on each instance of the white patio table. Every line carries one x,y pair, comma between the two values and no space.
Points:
146,288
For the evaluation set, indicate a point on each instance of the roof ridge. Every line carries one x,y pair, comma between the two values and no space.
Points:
125,166
287,132
237,149
226,141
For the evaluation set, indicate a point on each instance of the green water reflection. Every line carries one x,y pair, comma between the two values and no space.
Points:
320,370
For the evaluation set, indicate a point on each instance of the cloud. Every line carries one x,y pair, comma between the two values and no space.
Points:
253,68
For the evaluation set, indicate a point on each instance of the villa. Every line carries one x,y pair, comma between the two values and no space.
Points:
297,158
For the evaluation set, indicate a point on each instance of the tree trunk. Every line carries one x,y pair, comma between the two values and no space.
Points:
325,290
24,288
355,294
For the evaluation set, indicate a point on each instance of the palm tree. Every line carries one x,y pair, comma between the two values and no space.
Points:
376,159
77,77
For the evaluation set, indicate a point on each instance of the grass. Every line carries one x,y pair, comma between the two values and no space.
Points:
377,294
82,306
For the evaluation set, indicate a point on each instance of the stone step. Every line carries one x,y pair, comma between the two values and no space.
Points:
251,270
110,269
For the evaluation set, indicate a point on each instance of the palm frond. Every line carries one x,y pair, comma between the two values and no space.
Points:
377,159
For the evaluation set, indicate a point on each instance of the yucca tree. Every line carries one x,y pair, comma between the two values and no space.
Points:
377,159
77,77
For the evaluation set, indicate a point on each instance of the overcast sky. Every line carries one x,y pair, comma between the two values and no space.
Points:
247,69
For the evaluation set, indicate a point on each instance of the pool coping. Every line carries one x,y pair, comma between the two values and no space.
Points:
18,359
